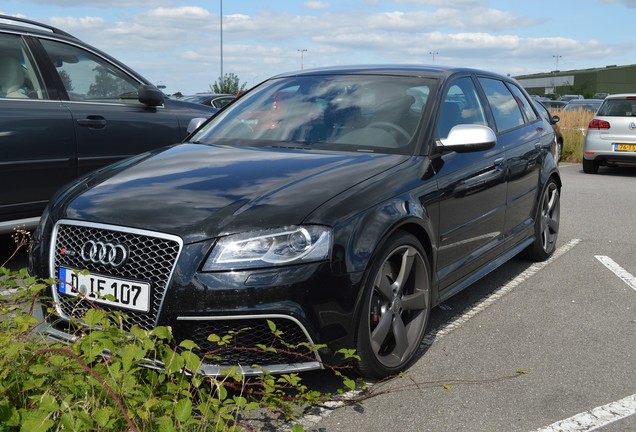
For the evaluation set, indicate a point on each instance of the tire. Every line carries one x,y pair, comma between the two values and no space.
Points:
590,166
559,151
395,308
546,224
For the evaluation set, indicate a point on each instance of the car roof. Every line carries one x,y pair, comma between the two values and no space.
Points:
390,69
25,25
621,96
583,101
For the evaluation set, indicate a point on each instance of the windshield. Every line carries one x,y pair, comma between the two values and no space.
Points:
338,112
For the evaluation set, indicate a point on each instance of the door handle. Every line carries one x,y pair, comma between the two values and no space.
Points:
93,122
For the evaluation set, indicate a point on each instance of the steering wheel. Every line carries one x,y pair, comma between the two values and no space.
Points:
388,126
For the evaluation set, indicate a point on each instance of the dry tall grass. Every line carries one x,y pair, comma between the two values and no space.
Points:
573,126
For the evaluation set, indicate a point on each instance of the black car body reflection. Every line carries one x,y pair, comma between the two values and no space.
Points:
339,204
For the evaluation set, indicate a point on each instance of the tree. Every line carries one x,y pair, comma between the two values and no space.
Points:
229,84
109,85
66,79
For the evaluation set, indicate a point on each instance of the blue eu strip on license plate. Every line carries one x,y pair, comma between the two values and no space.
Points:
62,286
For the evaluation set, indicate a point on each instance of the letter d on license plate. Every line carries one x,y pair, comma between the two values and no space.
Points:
126,294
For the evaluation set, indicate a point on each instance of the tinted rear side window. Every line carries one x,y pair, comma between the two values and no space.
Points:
524,103
618,108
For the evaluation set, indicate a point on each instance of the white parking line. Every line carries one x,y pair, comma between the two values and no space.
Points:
595,418
599,417
308,421
619,271
478,307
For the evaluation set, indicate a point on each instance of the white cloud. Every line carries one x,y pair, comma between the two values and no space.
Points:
179,43
445,3
109,4
78,23
179,13
317,5
628,3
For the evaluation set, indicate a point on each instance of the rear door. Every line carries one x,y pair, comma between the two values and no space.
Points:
526,139
37,139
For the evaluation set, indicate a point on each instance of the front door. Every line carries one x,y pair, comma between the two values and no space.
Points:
473,186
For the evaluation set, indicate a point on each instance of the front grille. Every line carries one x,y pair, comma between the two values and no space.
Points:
246,334
152,258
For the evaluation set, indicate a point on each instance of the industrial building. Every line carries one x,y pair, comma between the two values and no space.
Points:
586,82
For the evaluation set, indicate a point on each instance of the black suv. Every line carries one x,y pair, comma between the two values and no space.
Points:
67,108
336,206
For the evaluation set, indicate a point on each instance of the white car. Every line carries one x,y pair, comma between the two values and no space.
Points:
611,134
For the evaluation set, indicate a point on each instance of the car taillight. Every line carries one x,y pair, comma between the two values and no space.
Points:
598,124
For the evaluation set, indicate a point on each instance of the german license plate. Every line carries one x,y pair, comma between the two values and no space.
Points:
625,147
126,294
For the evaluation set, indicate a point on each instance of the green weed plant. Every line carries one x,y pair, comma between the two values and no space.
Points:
111,379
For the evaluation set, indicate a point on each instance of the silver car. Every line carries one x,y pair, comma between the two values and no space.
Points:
611,134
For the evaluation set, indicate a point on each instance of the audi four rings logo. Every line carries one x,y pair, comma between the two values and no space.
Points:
104,253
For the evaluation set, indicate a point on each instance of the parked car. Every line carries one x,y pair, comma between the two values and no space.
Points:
338,205
554,105
216,100
67,108
569,97
611,134
558,136
590,105
600,95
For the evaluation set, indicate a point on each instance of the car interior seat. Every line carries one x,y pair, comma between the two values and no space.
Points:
11,78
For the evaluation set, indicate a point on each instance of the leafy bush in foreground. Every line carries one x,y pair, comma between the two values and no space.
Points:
101,382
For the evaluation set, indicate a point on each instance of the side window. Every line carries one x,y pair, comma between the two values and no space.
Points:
88,77
524,103
504,105
543,111
19,78
461,106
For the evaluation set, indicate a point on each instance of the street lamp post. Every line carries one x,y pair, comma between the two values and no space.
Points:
556,70
557,57
302,51
221,29
433,54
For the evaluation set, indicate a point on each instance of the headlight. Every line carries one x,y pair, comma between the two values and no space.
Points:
267,248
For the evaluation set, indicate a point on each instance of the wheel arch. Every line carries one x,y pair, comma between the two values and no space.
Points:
418,229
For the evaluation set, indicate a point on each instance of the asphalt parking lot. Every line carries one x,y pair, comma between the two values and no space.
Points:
531,347
568,324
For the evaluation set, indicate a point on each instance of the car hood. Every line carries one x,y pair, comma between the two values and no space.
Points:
200,191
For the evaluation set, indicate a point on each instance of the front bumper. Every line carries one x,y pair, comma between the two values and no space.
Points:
291,309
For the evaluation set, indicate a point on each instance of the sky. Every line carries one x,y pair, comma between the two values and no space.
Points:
178,43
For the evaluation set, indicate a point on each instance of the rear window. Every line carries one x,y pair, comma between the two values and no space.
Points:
618,108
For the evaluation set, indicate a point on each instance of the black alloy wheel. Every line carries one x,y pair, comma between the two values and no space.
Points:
546,224
397,303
